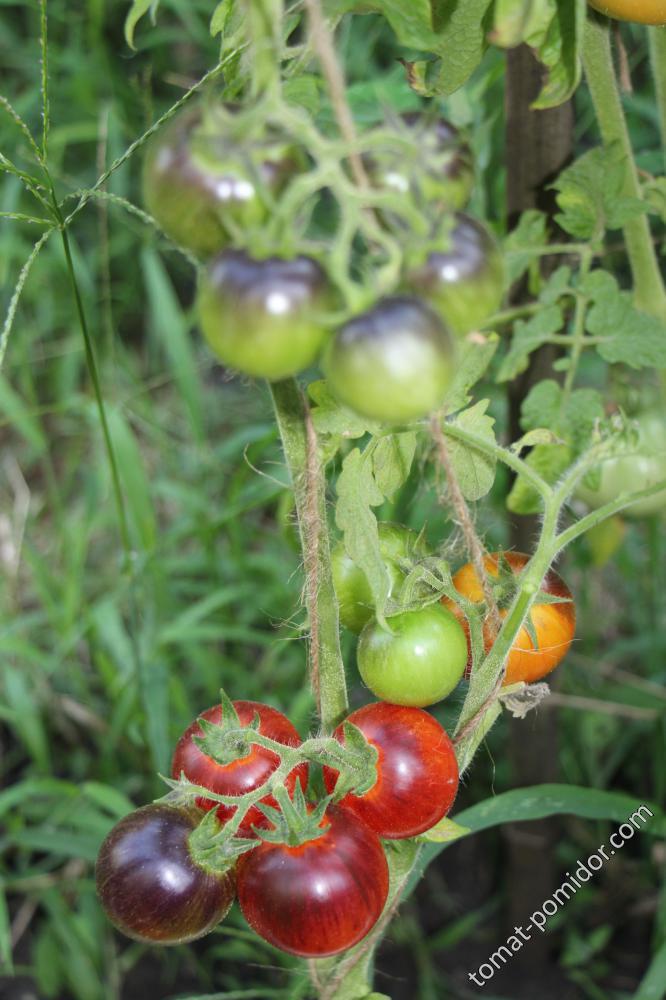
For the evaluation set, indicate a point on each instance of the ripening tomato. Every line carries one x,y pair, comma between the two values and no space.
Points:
397,544
420,663
149,884
554,624
635,465
640,11
321,897
465,282
417,770
200,178
263,317
393,363
436,167
245,774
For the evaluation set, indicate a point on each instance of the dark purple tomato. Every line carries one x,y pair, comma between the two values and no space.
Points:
243,775
149,884
393,363
417,770
201,178
438,167
320,898
465,282
264,317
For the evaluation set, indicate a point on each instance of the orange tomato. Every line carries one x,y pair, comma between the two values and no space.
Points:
641,11
554,624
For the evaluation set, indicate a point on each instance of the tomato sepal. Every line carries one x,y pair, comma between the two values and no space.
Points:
295,822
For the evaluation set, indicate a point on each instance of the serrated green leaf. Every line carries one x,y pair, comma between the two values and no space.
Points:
630,337
527,337
392,460
517,21
540,435
560,51
475,355
590,194
529,235
357,494
303,91
330,417
474,470
451,30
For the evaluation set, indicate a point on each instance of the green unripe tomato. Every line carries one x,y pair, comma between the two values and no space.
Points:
421,663
393,363
464,283
396,544
439,170
263,317
636,465
200,181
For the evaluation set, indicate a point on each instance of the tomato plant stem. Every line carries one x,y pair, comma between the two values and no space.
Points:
650,294
657,41
307,475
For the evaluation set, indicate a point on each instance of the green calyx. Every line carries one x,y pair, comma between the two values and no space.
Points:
214,847
227,740
294,823
355,759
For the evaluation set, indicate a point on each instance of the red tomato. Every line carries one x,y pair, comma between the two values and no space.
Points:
319,898
417,770
554,624
242,775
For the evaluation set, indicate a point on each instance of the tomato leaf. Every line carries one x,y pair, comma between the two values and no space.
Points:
589,194
520,246
392,460
550,461
476,353
475,470
452,30
357,493
629,336
528,335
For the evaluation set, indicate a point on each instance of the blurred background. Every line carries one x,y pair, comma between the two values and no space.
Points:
101,666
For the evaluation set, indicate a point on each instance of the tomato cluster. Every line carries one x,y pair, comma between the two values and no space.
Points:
311,878
209,183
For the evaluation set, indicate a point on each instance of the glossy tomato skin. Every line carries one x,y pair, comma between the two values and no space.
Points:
417,770
396,544
635,466
554,624
421,663
465,282
150,886
441,169
640,11
200,181
393,363
320,898
242,775
263,317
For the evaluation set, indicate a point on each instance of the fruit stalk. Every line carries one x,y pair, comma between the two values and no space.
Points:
299,442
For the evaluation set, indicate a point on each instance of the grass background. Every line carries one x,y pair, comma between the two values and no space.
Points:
106,654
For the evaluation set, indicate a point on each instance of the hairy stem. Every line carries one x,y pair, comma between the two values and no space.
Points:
598,62
322,41
473,543
299,442
657,40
